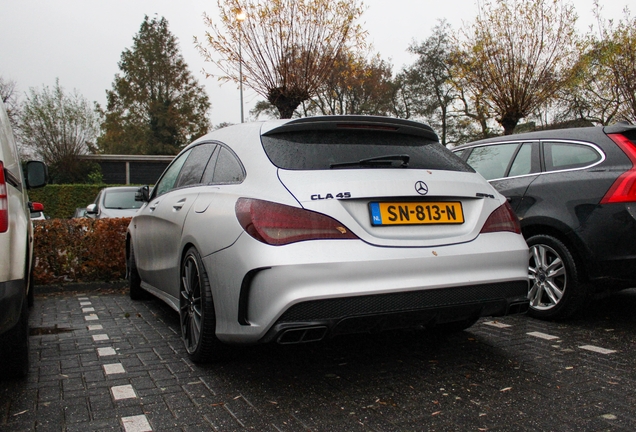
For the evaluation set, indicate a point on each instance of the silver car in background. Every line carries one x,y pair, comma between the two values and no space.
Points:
297,230
114,202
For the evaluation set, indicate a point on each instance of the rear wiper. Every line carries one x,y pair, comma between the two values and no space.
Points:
378,161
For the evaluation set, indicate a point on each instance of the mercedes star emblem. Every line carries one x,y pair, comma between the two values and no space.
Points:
421,188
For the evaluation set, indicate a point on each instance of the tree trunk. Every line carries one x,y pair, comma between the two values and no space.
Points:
287,100
509,122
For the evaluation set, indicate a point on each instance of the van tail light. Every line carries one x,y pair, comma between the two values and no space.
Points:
624,188
278,224
4,202
502,219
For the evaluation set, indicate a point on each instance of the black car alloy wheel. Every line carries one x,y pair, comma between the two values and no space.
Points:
196,310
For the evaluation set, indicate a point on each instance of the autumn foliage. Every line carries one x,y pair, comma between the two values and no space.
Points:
79,250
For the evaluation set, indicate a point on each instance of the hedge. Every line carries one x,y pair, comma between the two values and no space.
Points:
61,200
79,250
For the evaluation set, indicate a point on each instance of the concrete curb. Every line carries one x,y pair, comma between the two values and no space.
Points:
80,287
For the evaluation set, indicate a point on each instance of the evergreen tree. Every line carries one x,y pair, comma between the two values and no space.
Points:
155,106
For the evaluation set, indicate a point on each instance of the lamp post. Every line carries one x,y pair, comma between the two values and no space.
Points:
240,17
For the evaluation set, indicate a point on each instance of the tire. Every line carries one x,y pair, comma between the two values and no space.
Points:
556,290
14,356
196,312
135,290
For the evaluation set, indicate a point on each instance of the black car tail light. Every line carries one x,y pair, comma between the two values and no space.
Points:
624,188
502,219
4,202
279,224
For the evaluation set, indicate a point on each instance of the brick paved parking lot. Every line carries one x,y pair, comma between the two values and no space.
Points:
103,362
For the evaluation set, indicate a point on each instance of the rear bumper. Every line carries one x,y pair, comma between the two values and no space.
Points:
314,320
259,290
11,298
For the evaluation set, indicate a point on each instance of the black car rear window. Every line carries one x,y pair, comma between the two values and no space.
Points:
321,149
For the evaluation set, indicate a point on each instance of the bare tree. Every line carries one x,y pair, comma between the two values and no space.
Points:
618,44
59,127
519,54
284,49
9,96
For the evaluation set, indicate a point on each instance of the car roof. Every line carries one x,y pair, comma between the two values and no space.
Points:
581,134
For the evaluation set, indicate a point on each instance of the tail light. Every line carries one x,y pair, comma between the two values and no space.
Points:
4,203
502,219
278,224
624,188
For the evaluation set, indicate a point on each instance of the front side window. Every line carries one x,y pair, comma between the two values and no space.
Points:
562,156
492,161
169,178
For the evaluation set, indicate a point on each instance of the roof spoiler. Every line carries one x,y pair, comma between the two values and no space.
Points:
374,123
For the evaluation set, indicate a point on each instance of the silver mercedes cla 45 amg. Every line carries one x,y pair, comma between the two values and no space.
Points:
298,230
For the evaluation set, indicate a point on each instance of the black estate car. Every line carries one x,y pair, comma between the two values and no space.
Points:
574,191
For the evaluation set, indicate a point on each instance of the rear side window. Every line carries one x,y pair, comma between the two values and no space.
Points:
225,168
321,149
193,167
560,156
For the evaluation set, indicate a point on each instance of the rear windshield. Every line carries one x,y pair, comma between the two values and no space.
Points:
325,149
121,200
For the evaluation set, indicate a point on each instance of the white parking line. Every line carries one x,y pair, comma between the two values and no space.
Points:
136,424
100,337
82,298
95,327
542,335
114,368
85,303
597,349
106,351
497,324
123,392
91,317
88,309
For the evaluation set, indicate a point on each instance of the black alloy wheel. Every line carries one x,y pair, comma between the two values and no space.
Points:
196,311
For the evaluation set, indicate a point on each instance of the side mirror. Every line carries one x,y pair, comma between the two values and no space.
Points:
36,174
143,194
91,209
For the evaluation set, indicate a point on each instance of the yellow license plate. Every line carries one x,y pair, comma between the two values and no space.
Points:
416,213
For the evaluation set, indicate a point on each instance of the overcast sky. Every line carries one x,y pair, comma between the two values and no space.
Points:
81,41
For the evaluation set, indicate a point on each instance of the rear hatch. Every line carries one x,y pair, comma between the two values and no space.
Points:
388,181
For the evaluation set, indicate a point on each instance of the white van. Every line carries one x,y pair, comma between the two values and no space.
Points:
16,251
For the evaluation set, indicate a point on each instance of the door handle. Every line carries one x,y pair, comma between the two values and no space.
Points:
179,205
153,205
